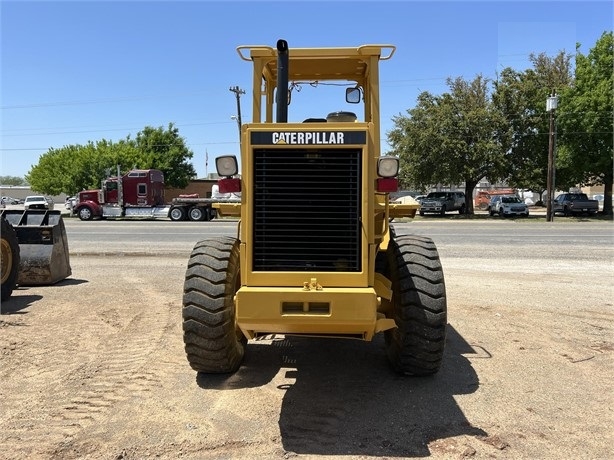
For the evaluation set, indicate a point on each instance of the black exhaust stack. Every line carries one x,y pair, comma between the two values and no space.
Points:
282,81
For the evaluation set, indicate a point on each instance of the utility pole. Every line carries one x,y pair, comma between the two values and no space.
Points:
238,92
551,105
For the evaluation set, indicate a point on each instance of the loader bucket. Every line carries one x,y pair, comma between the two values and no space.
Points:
43,246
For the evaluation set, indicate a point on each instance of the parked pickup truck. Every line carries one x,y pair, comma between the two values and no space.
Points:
442,202
574,203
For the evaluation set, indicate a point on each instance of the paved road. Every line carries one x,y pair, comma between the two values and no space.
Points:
567,239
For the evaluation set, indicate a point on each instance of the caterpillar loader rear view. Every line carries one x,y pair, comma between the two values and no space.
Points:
315,254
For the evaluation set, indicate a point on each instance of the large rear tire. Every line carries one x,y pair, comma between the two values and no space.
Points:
10,259
213,341
419,306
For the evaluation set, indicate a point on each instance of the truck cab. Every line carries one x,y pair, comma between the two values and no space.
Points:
139,192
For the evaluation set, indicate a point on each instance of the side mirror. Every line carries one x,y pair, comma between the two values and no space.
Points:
352,95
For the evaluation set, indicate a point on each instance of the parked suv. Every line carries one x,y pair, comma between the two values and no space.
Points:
442,202
507,205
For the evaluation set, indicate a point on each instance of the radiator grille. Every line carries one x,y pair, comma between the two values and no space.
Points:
307,206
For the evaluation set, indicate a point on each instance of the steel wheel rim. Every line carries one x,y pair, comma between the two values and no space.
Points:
6,261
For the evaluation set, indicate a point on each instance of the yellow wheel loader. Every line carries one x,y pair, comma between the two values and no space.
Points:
9,262
315,253
34,249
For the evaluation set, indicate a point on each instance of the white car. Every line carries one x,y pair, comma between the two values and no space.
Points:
6,200
36,202
70,203
507,205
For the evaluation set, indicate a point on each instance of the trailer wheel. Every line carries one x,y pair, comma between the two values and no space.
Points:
419,306
177,213
195,213
213,342
9,259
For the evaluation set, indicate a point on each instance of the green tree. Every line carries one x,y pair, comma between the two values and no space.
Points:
521,97
457,138
77,167
54,173
165,150
585,124
12,180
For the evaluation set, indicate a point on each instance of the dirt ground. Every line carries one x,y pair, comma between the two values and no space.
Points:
94,368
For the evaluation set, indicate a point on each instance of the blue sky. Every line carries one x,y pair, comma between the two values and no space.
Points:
81,71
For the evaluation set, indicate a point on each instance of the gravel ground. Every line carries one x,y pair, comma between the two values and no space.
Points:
94,368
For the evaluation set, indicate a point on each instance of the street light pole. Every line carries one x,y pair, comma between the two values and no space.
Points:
551,105
235,118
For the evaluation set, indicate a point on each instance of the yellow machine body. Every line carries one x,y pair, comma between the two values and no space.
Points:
282,290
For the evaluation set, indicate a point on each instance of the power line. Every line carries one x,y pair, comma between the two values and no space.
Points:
35,105
51,133
33,149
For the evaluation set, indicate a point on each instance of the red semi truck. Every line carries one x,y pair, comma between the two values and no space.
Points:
140,194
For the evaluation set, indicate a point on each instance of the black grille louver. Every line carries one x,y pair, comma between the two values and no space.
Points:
307,210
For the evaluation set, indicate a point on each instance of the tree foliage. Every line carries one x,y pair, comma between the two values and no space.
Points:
465,135
586,123
165,150
12,180
456,138
521,97
77,167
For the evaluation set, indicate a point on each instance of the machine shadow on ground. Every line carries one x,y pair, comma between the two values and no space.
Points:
16,304
347,401
342,397
20,300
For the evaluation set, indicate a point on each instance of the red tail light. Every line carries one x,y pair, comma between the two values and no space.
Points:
387,184
229,185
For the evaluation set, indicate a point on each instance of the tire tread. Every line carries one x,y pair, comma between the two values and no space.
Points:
416,346
212,343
